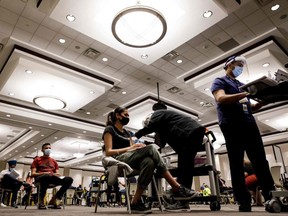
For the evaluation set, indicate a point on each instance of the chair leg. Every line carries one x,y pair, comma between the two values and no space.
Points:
2,195
98,194
157,194
28,199
127,192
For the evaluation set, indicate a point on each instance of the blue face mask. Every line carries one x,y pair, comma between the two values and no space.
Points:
47,152
237,71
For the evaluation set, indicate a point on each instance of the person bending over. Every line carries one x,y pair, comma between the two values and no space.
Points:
145,158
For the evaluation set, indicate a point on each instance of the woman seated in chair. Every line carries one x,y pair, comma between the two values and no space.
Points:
145,158
252,183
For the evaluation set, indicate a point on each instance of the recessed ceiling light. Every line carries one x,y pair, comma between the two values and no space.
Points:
207,89
105,59
70,17
92,92
124,92
266,64
8,115
144,56
28,71
62,40
50,124
88,113
179,61
275,7
207,14
11,94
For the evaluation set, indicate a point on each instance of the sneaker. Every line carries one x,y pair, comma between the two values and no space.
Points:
3,205
184,193
55,204
178,206
245,208
14,205
41,206
140,208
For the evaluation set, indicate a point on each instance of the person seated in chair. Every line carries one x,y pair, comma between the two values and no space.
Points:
45,170
145,158
10,179
252,182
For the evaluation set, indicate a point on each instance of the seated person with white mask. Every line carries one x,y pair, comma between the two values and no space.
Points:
45,170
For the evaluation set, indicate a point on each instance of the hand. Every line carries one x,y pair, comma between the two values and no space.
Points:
138,145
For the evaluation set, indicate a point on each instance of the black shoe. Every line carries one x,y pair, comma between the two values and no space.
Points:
178,206
14,205
41,206
245,208
184,193
140,208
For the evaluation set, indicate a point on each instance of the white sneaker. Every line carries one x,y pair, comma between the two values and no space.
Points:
3,205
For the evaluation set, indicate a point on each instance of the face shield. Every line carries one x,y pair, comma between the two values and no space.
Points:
245,76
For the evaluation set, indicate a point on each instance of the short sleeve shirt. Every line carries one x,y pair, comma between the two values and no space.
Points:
119,139
231,113
45,164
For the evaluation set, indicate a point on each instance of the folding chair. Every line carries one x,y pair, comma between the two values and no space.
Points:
125,171
3,191
38,187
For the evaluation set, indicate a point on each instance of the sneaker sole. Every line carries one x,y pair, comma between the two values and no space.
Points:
186,198
178,210
141,212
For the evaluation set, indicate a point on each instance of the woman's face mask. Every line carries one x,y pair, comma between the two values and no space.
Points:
11,169
124,120
237,71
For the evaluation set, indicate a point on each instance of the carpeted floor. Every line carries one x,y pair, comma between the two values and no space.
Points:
84,211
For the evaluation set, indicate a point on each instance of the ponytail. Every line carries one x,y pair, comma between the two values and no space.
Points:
111,118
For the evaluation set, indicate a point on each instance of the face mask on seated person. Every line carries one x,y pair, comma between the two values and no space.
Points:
47,152
124,120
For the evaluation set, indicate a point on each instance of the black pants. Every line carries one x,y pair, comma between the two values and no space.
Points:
187,150
46,179
245,137
13,184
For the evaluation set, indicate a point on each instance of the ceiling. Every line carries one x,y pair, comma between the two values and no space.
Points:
75,71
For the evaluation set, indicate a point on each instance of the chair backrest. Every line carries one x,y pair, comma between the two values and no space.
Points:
276,174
